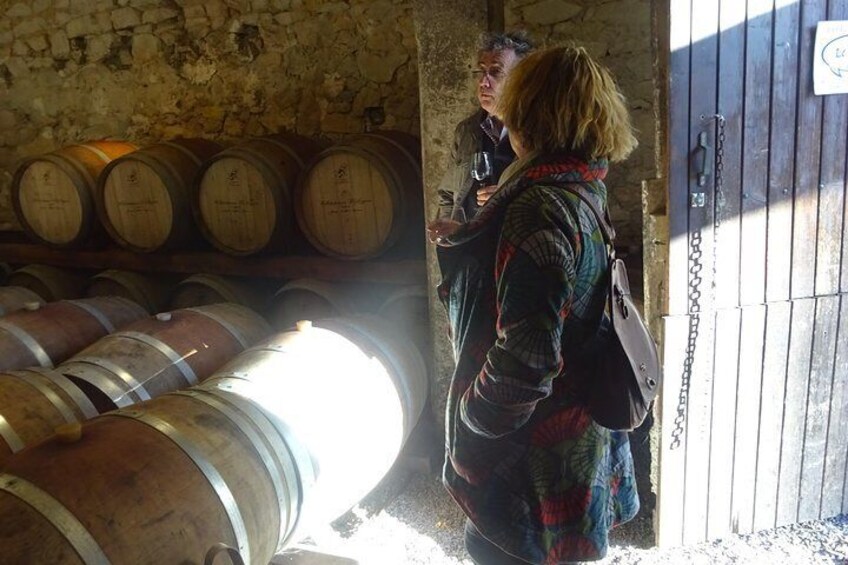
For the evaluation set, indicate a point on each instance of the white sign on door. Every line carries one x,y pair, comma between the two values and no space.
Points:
830,65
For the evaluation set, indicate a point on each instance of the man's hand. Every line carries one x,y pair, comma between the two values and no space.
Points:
484,193
440,229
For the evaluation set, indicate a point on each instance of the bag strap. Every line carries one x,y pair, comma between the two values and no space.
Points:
603,218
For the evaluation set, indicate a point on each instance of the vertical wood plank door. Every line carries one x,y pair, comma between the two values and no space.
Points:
754,406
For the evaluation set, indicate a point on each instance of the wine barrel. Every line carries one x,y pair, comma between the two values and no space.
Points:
33,402
166,481
243,198
408,309
144,199
309,299
170,351
50,283
361,197
53,194
14,298
203,288
248,454
151,293
55,331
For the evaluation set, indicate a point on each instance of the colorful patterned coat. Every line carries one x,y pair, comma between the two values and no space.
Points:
524,284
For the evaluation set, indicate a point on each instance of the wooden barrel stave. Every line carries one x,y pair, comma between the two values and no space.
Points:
151,293
53,194
14,298
243,199
360,198
368,361
153,356
202,289
143,199
33,402
50,283
408,310
182,449
222,467
58,330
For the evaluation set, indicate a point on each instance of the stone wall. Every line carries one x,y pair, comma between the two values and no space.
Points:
618,34
149,70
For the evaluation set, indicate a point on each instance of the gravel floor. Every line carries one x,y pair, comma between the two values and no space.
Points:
410,519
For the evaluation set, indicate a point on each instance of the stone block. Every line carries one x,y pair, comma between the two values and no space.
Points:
145,47
60,19
290,18
194,11
39,6
198,27
98,47
8,120
333,7
37,43
7,38
200,71
81,8
380,67
217,12
549,12
157,15
30,26
59,46
81,26
19,10
20,48
124,18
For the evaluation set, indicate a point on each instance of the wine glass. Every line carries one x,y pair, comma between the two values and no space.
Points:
450,211
481,165
449,218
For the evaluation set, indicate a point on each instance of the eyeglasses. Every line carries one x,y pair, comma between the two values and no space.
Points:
494,73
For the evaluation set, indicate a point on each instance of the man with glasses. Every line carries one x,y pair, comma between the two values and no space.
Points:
480,133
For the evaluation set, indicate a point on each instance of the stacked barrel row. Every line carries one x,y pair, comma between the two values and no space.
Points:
282,303
289,434
70,360
282,193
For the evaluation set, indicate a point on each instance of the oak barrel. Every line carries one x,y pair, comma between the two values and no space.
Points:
243,195
248,455
144,198
14,298
50,283
204,288
407,308
160,483
52,333
33,402
149,292
53,194
332,369
361,197
309,299
160,354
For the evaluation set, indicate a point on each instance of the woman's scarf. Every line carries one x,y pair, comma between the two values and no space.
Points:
533,169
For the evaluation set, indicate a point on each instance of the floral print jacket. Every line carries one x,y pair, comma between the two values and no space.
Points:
524,285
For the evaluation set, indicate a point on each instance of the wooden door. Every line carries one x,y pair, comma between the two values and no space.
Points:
754,409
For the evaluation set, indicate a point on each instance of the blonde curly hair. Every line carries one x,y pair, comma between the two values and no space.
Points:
559,99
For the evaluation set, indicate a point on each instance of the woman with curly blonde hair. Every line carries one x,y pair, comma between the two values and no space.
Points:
524,287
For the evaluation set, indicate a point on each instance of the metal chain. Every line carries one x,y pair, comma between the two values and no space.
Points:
719,182
695,280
